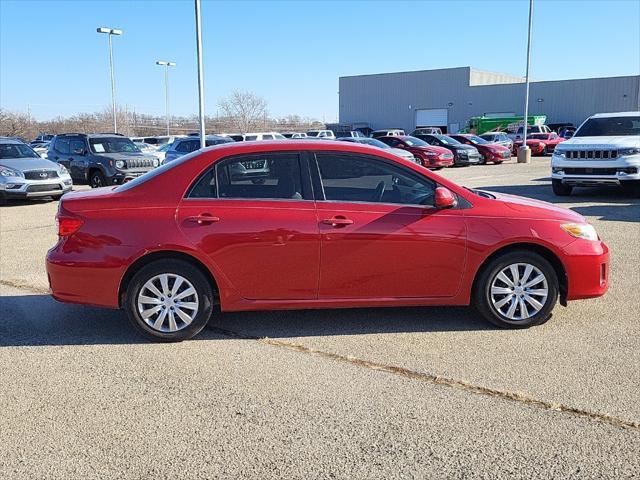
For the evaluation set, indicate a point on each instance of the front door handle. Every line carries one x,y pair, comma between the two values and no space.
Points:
338,221
203,219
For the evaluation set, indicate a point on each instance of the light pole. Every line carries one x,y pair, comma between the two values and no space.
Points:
200,73
111,32
166,86
524,153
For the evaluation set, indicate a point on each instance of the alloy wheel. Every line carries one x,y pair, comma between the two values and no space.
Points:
168,303
519,291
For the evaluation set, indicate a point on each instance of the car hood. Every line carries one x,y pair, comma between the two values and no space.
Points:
23,164
434,149
463,147
537,209
621,141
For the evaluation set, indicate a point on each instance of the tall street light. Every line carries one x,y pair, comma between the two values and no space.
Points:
524,153
200,73
111,32
166,66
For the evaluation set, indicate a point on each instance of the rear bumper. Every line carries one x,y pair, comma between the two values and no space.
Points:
587,267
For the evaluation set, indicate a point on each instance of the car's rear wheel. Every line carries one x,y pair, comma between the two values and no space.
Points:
518,289
169,300
97,179
560,189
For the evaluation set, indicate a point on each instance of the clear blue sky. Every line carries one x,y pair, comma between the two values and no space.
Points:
291,52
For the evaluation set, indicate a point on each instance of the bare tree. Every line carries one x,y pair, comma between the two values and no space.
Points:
14,124
245,110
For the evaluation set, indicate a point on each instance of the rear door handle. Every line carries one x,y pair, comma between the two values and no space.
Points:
338,221
203,219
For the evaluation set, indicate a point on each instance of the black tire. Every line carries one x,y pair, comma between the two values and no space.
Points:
631,188
482,289
544,152
560,189
202,286
97,179
437,168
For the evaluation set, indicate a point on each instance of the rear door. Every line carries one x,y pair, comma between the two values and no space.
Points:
254,216
78,158
62,151
380,235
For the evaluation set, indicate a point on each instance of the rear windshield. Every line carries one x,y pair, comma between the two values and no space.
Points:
611,126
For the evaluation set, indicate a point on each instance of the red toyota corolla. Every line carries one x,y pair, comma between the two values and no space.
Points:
314,224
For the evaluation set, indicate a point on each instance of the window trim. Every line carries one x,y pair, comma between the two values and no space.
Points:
316,173
305,179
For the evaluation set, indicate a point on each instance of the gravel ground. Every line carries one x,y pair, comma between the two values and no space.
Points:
387,393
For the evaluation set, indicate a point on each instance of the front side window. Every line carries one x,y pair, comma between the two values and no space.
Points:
351,178
77,146
263,176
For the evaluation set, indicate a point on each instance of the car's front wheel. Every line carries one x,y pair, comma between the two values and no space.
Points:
169,300
97,179
560,189
518,289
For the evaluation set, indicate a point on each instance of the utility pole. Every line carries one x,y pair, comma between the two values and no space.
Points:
524,152
110,32
200,73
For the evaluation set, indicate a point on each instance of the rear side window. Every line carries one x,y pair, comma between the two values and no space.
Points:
77,145
187,147
62,145
350,178
264,176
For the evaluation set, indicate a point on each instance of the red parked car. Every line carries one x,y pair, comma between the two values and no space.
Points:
540,143
314,224
491,152
432,156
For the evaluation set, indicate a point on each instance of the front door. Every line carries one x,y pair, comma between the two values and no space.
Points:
380,235
254,216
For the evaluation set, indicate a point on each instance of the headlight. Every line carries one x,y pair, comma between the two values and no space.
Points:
155,162
9,172
63,170
580,230
558,153
120,164
629,151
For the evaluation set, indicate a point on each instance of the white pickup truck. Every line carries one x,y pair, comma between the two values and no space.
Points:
605,150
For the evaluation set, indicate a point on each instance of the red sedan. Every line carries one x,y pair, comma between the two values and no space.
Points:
432,156
491,152
540,143
313,224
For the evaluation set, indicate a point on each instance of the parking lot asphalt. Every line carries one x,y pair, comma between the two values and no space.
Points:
387,393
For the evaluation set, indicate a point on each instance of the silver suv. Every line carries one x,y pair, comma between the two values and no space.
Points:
24,174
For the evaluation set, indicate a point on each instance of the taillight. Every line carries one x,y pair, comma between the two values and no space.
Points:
68,225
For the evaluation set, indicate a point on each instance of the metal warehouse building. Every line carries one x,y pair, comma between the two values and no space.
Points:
449,97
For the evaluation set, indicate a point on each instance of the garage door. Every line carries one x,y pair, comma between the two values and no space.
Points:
432,117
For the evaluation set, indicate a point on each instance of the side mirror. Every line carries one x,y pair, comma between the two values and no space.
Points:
444,198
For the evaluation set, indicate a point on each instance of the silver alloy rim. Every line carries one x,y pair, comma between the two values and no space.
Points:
168,303
519,291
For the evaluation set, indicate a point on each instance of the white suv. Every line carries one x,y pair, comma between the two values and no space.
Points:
321,134
605,150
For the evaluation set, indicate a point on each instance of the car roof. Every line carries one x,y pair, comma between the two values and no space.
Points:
11,141
616,114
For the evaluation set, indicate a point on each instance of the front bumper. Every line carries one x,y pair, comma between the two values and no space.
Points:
467,159
596,172
587,268
20,188
439,161
123,176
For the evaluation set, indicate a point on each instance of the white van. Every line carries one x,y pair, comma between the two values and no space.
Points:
252,137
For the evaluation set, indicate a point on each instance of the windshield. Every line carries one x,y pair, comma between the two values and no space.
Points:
477,140
165,147
415,142
16,150
611,126
447,140
112,145
373,142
